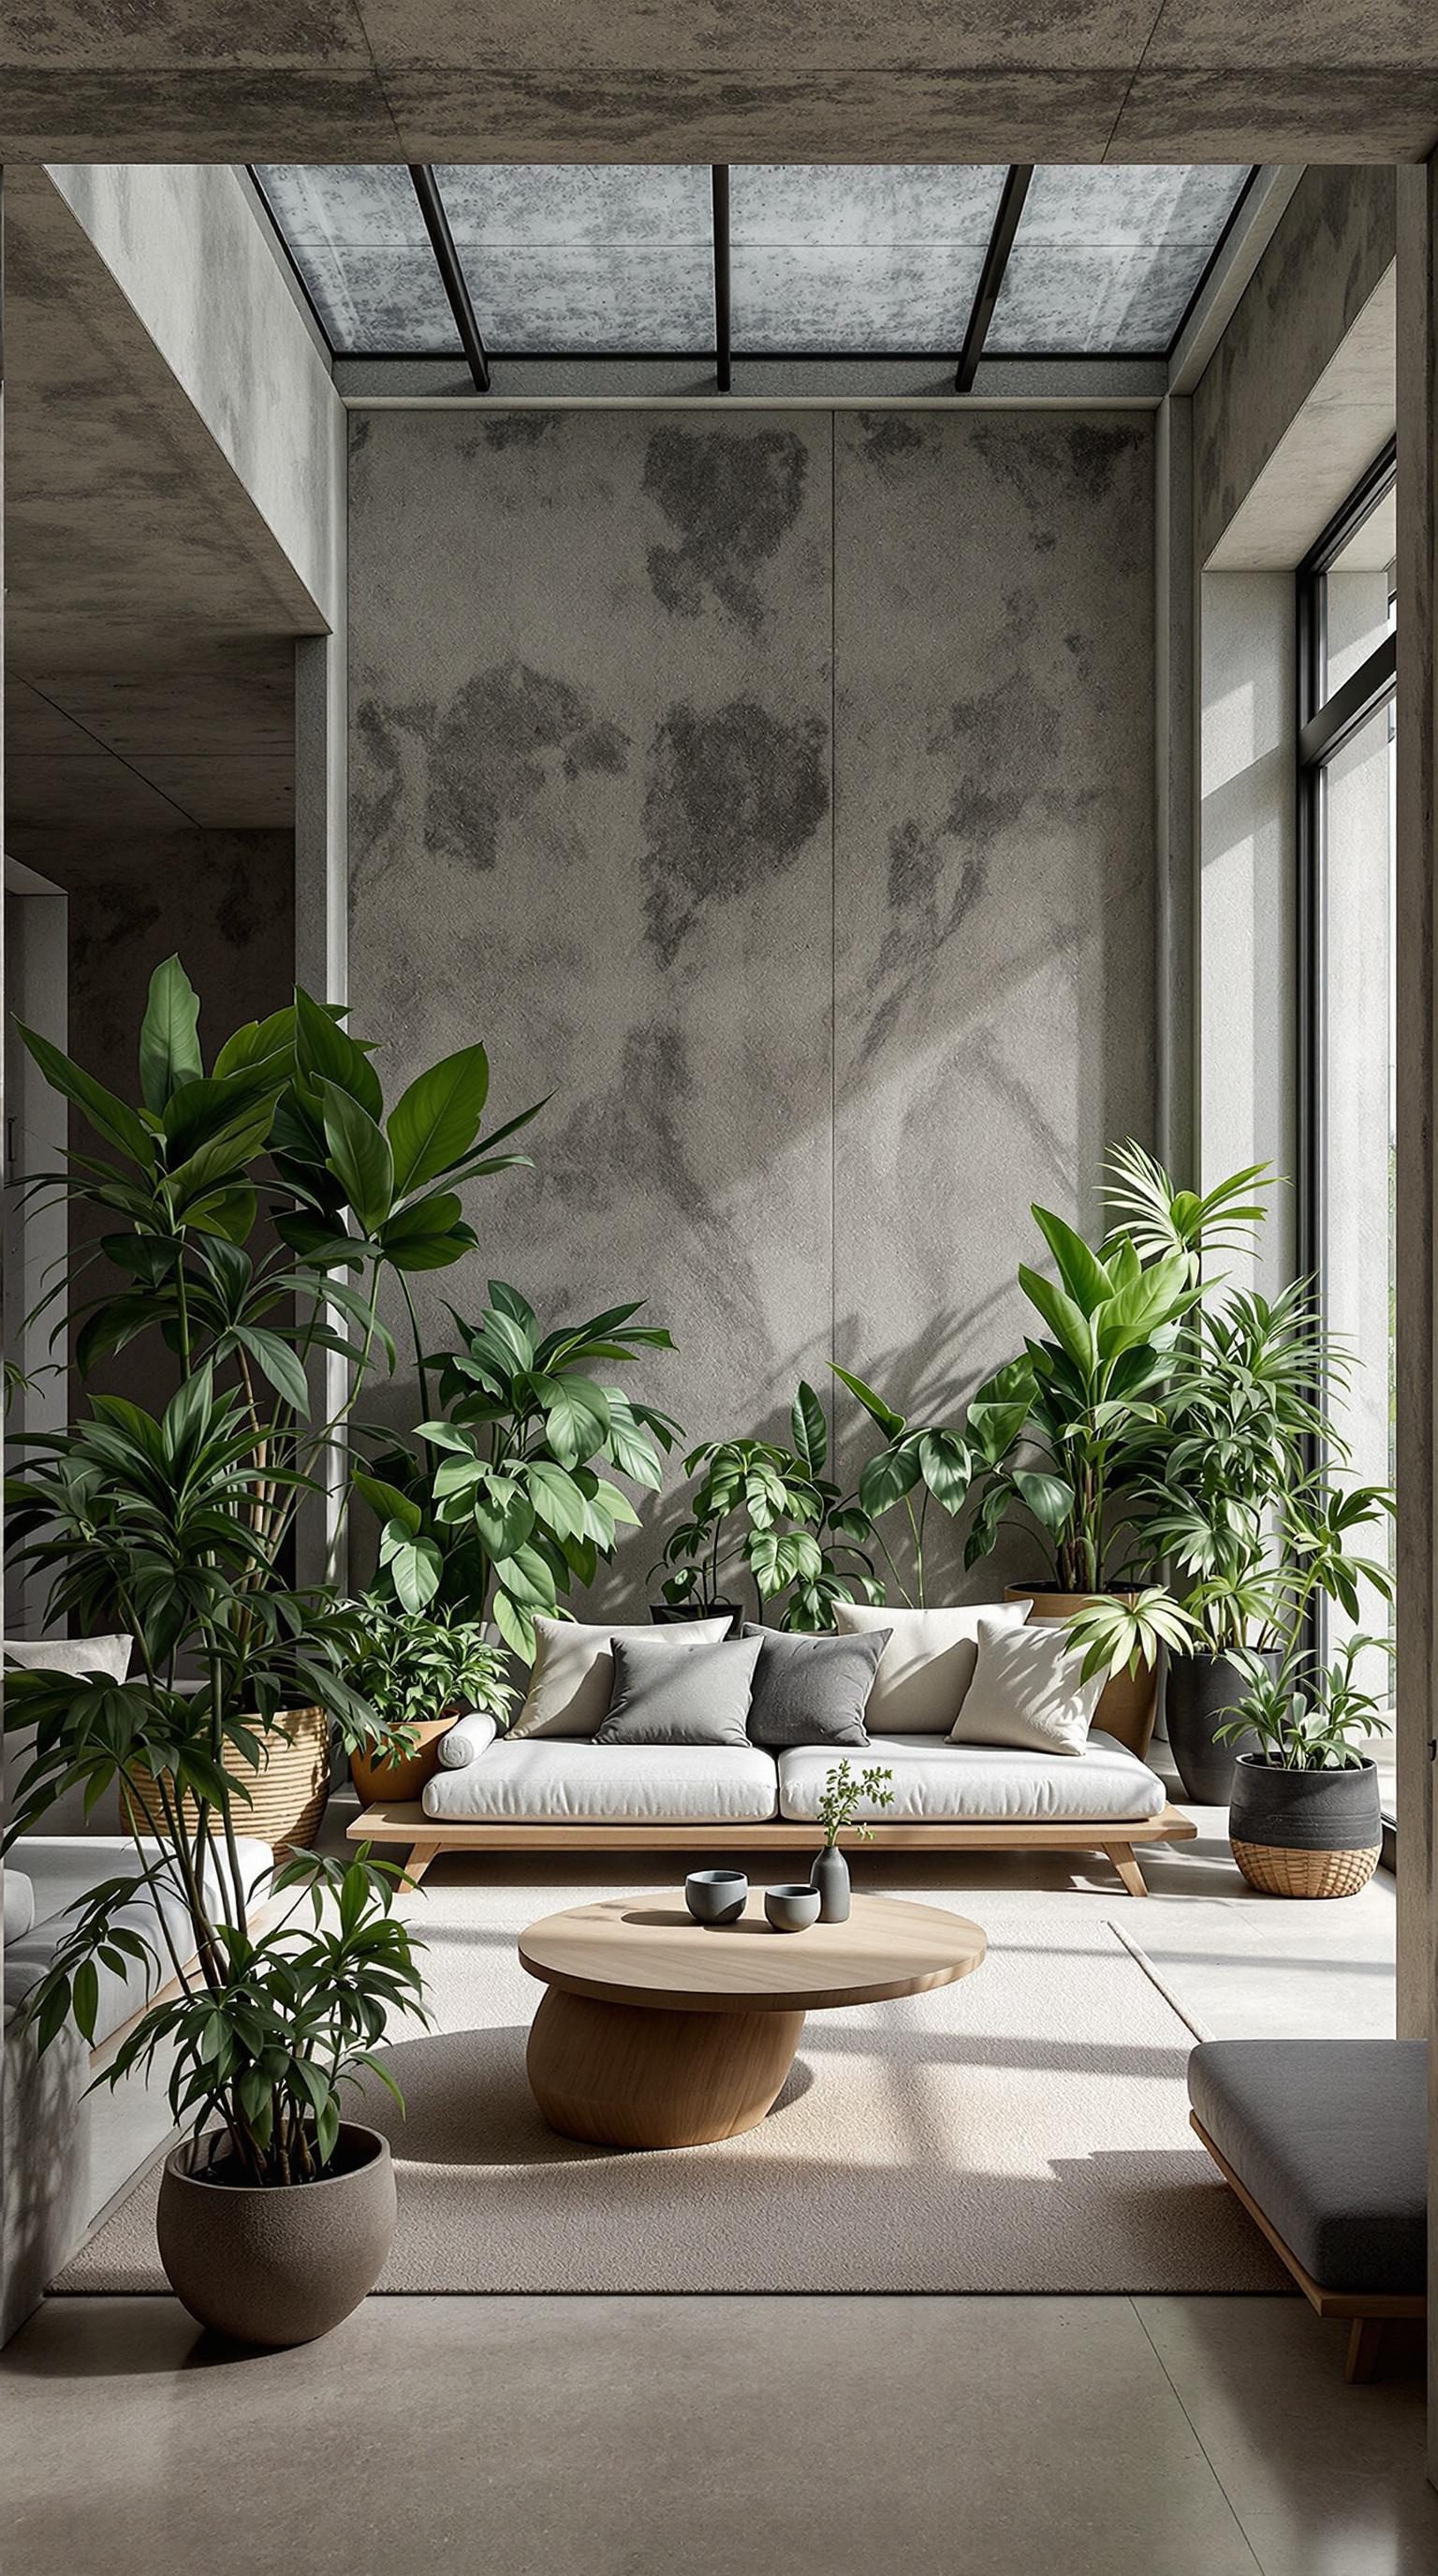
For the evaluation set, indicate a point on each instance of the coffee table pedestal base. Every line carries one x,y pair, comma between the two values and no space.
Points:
620,2075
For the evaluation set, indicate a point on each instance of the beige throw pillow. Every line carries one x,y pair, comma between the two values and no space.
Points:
573,1672
1027,1692
928,1664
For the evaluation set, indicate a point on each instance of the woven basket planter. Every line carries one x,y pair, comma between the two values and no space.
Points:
288,1793
1305,1833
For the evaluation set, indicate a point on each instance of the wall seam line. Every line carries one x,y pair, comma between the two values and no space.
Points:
833,916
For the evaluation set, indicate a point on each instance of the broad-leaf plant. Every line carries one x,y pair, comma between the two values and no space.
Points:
244,1217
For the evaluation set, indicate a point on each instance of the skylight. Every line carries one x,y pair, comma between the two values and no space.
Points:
631,260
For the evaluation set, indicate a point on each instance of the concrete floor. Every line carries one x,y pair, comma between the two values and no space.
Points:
615,2437
620,2437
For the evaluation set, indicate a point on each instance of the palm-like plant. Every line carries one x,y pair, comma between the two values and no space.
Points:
517,1501
254,1210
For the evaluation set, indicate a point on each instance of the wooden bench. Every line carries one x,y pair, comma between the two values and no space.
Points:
1325,2142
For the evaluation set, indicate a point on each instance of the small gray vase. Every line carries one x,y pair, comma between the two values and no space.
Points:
830,1874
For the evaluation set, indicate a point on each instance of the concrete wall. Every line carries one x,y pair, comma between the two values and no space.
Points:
778,793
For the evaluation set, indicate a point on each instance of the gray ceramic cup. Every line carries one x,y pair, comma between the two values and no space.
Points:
716,1895
792,1908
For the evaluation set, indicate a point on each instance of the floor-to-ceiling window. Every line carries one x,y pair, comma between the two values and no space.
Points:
1347,660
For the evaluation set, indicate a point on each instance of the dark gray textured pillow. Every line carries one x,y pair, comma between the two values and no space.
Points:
812,1690
665,1693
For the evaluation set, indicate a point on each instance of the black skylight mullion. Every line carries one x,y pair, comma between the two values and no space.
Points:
723,370
996,260
436,224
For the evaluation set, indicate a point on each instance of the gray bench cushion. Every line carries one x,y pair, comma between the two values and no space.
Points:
936,1782
1329,2136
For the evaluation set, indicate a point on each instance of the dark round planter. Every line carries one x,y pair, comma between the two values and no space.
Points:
673,1614
1305,1833
283,2265
1200,1695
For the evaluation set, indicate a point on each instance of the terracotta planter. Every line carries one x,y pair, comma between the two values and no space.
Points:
405,1777
1201,1695
1128,1704
283,2265
1305,1833
288,1793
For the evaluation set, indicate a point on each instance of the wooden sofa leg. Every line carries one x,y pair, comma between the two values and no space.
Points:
1365,2348
1121,1854
418,1862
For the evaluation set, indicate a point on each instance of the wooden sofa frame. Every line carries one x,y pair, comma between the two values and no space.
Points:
426,1836
1369,2312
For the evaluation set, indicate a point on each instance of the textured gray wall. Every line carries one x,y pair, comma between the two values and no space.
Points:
778,793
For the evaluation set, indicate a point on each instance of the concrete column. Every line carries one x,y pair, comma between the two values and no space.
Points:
322,966
1175,657
1417,1180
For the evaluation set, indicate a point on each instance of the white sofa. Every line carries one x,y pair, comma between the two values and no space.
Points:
556,1793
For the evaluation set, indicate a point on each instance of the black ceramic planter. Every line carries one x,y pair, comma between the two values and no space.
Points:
1200,1695
1305,1833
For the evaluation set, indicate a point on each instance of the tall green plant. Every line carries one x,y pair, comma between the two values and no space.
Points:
772,1513
918,1463
252,1210
517,1497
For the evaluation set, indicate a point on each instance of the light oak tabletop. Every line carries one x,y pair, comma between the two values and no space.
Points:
646,1950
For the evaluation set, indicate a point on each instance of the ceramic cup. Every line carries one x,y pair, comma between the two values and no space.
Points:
716,1895
792,1908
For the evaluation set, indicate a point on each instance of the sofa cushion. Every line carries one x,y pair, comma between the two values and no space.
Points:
62,1871
1330,2138
19,1907
580,1784
694,1692
1028,1690
927,1665
939,1783
812,1690
108,1656
573,1673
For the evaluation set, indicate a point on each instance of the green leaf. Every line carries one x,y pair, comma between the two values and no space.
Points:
415,1564
169,1044
887,1478
427,1236
576,1417
1080,1269
86,1999
808,1429
256,1040
890,1423
514,1625
557,1499
359,1157
946,1468
327,1053
434,1122
1066,1321
278,1362
111,1118
386,1501
528,1580
1049,1499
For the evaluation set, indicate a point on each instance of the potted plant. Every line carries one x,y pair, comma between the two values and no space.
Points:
1064,1434
417,1674
1304,1818
753,1510
516,1509
845,1790
252,1209
1244,1416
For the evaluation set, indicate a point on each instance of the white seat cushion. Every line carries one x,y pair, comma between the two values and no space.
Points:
942,1783
575,1783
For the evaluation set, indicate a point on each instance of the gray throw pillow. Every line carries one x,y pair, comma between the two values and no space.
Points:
666,1693
812,1690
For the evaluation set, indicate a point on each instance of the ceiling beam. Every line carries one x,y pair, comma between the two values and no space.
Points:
436,224
723,372
991,275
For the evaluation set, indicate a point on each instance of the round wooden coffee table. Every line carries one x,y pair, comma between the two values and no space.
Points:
658,2032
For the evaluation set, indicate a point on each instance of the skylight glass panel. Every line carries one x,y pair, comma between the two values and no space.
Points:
357,238
1107,260
880,262
608,258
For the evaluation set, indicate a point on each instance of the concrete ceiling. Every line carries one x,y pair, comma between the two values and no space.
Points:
719,80
150,613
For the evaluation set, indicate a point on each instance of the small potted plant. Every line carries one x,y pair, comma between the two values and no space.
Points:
752,1510
1304,1818
844,1792
416,1675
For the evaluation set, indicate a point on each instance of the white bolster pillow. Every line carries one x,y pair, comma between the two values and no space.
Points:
466,1740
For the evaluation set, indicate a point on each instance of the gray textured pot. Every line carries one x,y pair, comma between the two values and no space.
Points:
1200,1695
1305,1833
278,2266
830,1874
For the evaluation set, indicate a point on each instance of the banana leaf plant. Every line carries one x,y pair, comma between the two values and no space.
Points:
517,1509
250,1211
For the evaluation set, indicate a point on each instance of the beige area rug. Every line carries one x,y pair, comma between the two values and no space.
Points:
1025,2130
